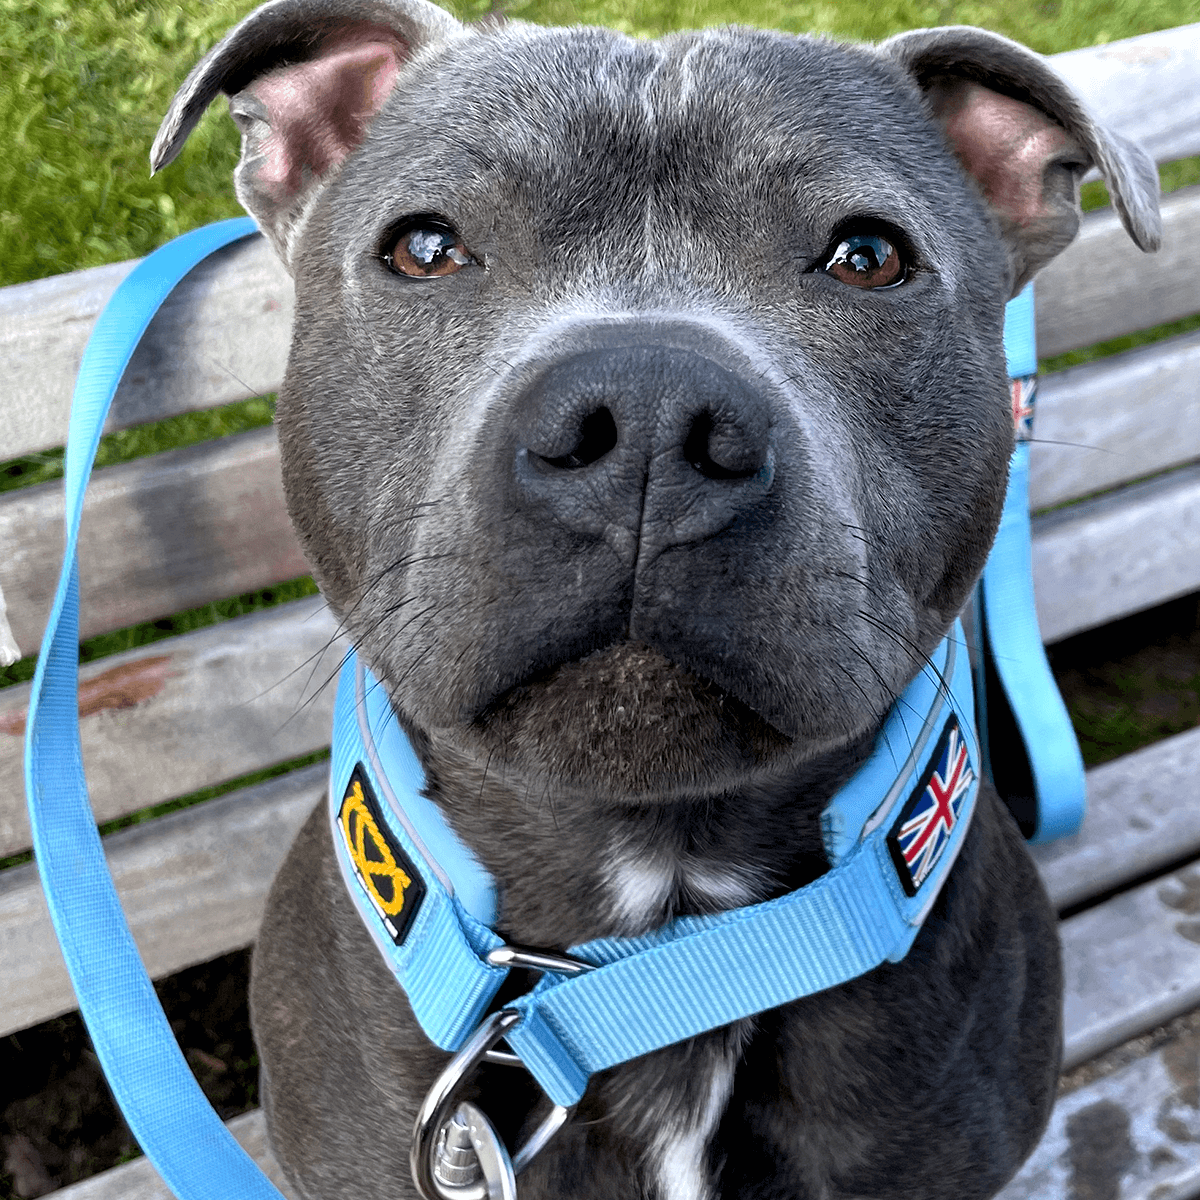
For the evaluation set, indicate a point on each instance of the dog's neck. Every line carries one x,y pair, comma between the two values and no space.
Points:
570,870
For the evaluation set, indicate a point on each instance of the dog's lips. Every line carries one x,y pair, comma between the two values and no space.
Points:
630,722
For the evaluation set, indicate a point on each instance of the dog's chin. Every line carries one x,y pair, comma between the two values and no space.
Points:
629,725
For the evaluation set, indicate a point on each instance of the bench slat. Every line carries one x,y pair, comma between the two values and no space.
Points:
1102,286
1141,817
193,884
138,1180
160,535
188,712
1144,87
1117,420
1131,1135
1131,963
221,336
1117,554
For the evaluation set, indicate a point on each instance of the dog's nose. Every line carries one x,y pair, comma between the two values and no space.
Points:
648,446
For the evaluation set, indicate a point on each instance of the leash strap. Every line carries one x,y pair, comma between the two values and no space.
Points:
166,1110
1029,746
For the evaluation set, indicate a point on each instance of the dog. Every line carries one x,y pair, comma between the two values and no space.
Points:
646,425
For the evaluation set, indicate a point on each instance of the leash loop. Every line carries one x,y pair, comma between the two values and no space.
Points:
443,1130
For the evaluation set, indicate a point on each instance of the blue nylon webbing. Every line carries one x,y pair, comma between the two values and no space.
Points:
166,1110
1010,640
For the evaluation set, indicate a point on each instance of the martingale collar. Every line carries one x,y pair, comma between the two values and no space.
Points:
891,833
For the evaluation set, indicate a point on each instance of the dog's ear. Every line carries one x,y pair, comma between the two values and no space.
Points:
305,78
1026,140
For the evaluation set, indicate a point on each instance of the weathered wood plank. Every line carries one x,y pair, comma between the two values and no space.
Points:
1110,422
223,335
1117,554
193,885
1102,286
1142,816
1131,963
159,535
138,1180
1144,87
1131,1135
186,713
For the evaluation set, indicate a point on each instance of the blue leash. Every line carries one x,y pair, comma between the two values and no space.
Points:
1030,751
167,1112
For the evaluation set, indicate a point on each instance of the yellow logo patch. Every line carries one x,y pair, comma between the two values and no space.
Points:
381,867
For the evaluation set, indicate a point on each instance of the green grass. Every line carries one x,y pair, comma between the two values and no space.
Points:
83,86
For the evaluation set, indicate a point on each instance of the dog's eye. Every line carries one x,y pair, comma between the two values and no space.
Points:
424,247
866,260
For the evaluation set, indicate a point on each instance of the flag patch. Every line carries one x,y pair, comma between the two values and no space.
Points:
1023,395
382,869
923,829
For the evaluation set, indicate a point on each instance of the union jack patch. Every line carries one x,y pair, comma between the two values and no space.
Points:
1024,396
923,829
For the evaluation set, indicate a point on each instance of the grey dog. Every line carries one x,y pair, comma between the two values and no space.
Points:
647,425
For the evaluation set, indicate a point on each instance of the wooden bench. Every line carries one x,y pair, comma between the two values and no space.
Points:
1120,438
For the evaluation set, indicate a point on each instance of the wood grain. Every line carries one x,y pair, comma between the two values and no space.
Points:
1114,421
1133,1134
1141,818
159,535
1143,87
193,885
228,700
1131,964
222,335
1102,286
1117,554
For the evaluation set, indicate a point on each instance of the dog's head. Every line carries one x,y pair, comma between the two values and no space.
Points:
646,421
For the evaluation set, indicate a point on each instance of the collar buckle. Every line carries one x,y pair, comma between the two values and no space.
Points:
456,1152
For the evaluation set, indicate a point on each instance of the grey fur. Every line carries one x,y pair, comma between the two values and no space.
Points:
659,648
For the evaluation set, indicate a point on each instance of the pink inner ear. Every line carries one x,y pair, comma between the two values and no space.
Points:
319,110
1006,145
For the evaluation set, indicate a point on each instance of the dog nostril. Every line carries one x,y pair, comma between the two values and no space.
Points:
738,460
597,436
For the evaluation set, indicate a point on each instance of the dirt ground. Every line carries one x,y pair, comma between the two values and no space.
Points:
1128,684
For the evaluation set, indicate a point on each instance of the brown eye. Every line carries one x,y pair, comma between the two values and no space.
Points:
866,260
426,247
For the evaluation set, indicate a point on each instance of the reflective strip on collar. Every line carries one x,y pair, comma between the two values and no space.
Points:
893,832
431,932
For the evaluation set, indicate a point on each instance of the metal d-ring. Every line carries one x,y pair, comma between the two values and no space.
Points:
438,1109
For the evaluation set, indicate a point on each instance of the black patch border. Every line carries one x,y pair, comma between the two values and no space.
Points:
893,837
414,894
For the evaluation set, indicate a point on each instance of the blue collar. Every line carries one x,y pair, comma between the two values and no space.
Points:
892,834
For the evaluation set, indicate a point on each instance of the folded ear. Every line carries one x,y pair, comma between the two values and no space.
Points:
1026,140
305,78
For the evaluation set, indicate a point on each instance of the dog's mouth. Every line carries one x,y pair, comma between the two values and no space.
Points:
630,723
